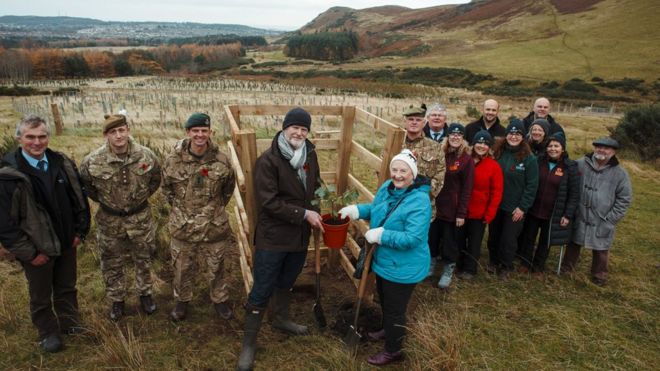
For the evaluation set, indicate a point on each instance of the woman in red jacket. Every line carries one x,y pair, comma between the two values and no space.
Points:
482,208
452,201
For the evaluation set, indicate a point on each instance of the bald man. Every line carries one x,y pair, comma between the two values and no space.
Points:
488,121
541,110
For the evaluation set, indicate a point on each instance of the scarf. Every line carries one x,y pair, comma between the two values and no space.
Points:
296,157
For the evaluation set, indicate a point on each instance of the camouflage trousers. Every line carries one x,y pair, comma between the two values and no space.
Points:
122,240
212,254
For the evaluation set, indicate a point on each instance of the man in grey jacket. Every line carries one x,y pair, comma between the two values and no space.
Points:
605,195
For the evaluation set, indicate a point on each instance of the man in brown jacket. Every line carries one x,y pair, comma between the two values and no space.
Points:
286,176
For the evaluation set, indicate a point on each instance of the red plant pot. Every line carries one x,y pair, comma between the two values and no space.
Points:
335,234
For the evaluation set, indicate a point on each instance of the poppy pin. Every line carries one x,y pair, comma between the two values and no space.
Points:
204,172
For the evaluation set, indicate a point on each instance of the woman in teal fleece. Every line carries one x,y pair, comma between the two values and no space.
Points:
521,178
400,216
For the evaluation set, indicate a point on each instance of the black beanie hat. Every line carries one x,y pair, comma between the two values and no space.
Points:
198,119
559,137
516,126
543,123
297,116
456,128
482,136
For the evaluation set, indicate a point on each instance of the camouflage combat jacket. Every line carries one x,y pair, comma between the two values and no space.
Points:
120,184
430,163
198,190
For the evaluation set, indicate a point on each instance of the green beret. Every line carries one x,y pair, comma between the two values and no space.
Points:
198,119
113,121
414,111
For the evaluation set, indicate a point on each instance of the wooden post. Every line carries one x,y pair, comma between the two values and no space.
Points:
59,126
246,142
392,147
343,165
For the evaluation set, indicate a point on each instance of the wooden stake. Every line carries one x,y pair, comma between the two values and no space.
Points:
59,126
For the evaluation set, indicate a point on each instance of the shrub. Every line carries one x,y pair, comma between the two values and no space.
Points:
639,131
472,111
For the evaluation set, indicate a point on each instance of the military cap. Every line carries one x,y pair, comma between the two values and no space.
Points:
113,121
198,119
414,111
606,142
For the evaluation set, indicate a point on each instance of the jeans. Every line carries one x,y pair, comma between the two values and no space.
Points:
394,298
449,241
435,236
274,269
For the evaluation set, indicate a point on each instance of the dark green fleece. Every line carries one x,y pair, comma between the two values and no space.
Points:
520,180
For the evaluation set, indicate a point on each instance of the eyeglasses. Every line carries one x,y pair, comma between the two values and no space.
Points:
456,135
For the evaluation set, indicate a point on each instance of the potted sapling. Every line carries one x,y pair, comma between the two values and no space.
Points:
335,227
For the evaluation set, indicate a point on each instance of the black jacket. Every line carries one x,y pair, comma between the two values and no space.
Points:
41,214
565,204
282,200
497,130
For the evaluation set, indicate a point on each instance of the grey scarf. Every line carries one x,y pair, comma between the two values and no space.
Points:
296,157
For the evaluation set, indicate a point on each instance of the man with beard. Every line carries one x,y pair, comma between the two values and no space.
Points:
606,194
285,178
541,110
488,121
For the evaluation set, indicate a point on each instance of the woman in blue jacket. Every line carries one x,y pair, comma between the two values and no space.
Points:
399,216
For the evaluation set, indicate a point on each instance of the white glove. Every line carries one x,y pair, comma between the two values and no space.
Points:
350,211
374,235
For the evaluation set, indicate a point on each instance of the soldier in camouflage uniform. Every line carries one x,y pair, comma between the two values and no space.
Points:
430,163
198,181
121,175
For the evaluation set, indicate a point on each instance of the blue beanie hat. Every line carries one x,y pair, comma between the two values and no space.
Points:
482,136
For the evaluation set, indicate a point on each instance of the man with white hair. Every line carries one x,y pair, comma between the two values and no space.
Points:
44,216
541,110
436,122
605,195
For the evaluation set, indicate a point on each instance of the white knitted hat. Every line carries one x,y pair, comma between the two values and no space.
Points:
410,160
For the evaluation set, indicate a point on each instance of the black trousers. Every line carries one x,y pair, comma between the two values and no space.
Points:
528,256
503,240
394,298
435,236
449,241
53,294
469,238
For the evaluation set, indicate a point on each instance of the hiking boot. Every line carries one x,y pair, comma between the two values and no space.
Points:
523,269
51,343
599,281
376,335
117,311
384,358
491,268
447,274
280,310
253,317
179,311
147,304
223,310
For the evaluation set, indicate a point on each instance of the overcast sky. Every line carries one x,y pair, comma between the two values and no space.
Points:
281,14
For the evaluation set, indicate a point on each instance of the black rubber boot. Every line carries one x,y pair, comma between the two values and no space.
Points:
253,317
179,312
280,310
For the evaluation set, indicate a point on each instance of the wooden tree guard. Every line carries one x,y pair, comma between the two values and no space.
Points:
59,125
243,152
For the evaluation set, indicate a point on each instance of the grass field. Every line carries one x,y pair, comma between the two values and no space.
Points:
553,323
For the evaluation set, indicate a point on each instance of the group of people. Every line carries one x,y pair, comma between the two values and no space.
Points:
448,183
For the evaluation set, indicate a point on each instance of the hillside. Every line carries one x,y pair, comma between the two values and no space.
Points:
551,39
73,27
